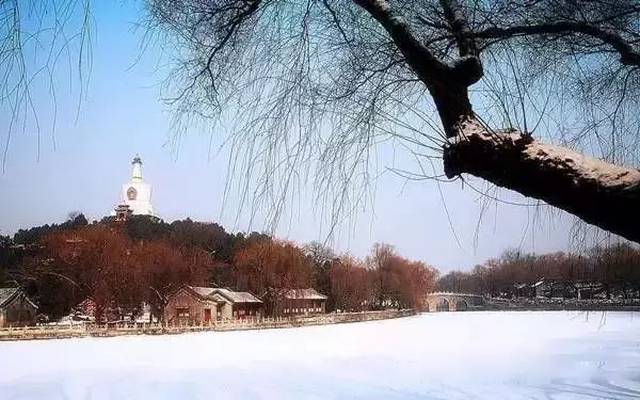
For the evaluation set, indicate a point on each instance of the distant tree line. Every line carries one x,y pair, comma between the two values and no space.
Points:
123,264
615,268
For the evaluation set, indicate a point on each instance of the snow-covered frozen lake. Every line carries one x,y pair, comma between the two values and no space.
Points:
474,355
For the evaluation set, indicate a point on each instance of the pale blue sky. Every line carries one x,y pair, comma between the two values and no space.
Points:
122,115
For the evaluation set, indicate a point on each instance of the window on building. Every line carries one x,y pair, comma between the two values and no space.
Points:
183,312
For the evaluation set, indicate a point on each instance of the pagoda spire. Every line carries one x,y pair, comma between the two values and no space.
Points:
136,174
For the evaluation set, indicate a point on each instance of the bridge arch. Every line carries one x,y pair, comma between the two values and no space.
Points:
442,304
445,301
461,305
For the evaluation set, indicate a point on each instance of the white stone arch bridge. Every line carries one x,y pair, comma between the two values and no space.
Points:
446,301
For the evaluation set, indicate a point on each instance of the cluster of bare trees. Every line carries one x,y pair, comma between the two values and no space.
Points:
384,279
398,281
105,265
123,265
614,268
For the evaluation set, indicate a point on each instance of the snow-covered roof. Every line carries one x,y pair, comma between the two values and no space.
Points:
202,291
521,285
232,296
304,294
6,294
237,297
588,285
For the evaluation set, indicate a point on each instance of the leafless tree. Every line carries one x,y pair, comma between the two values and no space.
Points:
40,41
480,84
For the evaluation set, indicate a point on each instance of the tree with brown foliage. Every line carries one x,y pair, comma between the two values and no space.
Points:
270,268
351,285
163,267
617,267
614,267
399,282
102,263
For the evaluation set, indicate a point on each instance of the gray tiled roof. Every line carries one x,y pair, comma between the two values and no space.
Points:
238,297
6,294
235,297
304,294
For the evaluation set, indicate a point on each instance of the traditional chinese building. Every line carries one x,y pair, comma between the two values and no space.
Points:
302,301
15,308
195,305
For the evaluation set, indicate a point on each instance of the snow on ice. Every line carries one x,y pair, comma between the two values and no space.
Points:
473,355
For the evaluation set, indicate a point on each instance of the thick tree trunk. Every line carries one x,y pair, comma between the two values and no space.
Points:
600,193
452,102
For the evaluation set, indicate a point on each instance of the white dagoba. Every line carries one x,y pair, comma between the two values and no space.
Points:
137,193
